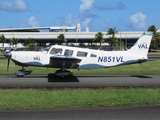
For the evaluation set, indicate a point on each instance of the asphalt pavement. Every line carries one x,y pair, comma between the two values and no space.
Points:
79,81
100,113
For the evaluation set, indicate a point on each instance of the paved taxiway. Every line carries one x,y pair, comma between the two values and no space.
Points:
52,81
103,113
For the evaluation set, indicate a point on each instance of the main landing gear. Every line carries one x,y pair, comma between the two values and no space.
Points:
63,72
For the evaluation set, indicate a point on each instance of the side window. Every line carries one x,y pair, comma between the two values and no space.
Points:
82,54
68,52
57,51
93,55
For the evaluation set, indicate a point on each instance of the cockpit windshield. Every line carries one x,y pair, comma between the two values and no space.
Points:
57,51
45,50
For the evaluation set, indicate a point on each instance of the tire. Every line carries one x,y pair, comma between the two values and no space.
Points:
20,75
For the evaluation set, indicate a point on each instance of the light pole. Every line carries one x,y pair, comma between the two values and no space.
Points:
76,38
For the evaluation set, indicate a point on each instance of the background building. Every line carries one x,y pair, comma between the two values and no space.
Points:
73,34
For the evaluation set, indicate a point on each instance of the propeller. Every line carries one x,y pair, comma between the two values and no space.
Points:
8,55
8,62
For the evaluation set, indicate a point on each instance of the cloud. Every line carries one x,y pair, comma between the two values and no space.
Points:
138,21
33,22
85,16
18,6
119,5
106,23
85,9
86,22
70,20
86,13
86,5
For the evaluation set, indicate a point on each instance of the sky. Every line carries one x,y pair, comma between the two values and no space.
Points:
97,15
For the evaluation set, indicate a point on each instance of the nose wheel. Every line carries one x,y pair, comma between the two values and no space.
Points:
22,72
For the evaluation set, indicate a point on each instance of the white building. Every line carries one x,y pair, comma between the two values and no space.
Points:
72,34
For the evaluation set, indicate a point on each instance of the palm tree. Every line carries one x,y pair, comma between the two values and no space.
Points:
153,29
29,42
61,39
2,39
155,43
112,39
112,31
14,41
98,38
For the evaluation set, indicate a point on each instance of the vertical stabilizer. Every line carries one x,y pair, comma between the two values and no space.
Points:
142,45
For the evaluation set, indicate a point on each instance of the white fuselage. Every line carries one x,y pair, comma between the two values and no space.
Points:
82,58
90,58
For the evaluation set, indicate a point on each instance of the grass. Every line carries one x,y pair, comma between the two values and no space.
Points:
11,99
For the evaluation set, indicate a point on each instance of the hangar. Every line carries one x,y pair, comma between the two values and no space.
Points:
73,34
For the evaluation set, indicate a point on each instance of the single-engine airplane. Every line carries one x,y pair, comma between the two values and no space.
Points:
65,57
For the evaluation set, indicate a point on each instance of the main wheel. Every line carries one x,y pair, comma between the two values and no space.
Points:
20,75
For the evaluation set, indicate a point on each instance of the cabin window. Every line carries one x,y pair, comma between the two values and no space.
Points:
82,54
68,52
57,51
93,55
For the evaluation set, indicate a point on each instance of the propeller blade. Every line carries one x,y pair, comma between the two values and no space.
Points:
8,54
8,62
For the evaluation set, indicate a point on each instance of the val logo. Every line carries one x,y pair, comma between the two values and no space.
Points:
36,58
143,46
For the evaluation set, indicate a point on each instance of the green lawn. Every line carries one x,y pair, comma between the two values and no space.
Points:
11,99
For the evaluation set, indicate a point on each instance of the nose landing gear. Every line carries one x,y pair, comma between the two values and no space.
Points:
22,72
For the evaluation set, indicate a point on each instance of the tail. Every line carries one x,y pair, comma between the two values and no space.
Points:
142,45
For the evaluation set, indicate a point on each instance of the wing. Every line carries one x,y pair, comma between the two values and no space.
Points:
65,61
